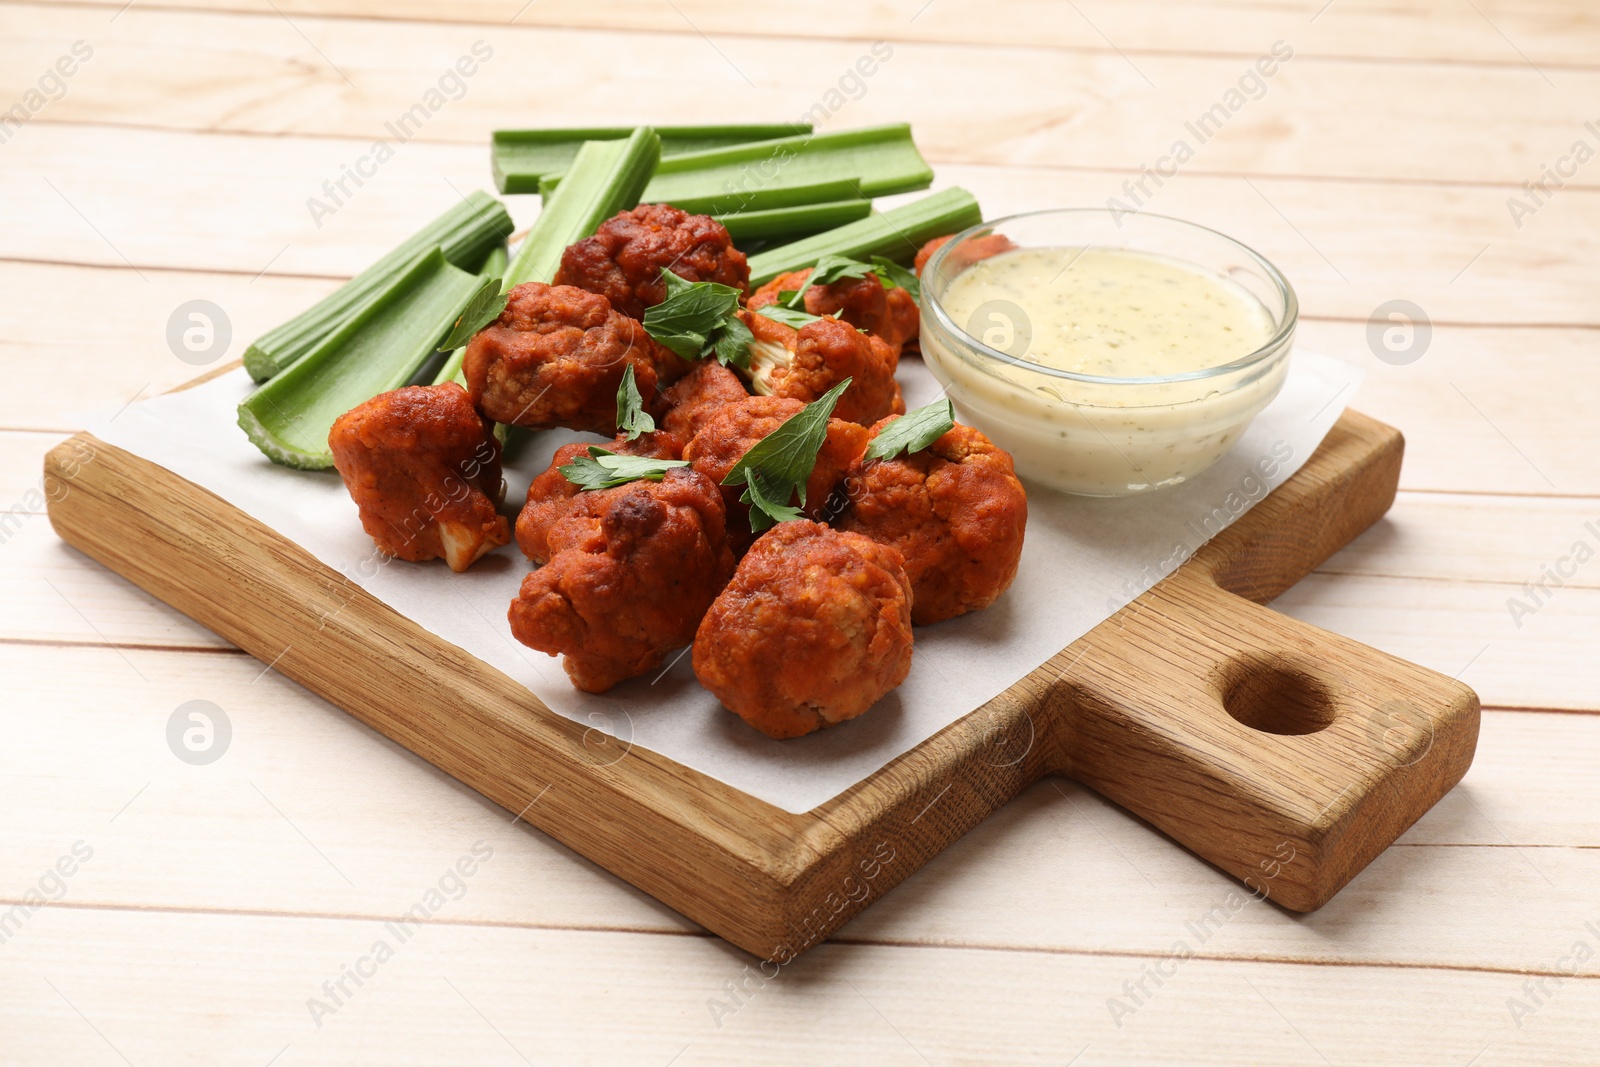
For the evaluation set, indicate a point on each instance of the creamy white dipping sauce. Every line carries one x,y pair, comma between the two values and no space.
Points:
1107,313
1113,313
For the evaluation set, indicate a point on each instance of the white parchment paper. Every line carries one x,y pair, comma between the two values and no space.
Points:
1084,559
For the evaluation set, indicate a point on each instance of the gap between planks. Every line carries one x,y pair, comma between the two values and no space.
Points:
1278,959
694,32
933,158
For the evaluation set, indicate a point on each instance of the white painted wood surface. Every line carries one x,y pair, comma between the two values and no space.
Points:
218,899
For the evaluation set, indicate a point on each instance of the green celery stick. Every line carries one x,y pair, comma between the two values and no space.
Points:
897,233
520,158
465,233
884,158
606,177
493,267
376,350
788,222
771,198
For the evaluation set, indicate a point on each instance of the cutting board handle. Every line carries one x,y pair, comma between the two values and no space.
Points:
1286,755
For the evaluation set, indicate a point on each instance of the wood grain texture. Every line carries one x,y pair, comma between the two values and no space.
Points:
968,104
206,920
229,988
1546,34
1452,249
1125,710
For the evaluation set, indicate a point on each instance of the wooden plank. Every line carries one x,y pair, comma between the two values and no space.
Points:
349,77
232,203
1471,538
58,594
1484,410
227,988
1468,629
1552,34
22,470
68,366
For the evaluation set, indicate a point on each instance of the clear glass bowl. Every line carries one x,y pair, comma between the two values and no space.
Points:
1082,433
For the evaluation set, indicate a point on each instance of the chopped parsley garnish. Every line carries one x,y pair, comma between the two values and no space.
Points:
894,276
778,466
829,269
788,316
601,469
699,319
486,305
834,268
913,431
632,418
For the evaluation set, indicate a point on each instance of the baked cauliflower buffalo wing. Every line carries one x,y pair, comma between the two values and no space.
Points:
972,250
555,357
684,407
631,571
424,469
735,428
623,260
814,629
889,314
804,364
955,511
551,496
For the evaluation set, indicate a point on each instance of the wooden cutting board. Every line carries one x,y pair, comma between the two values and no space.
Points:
1287,756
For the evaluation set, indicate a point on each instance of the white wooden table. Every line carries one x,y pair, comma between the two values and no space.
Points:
207,906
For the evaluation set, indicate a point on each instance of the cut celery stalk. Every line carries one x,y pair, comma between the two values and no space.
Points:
884,158
897,233
493,267
789,222
377,349
465,233
771,198
606,177
520,158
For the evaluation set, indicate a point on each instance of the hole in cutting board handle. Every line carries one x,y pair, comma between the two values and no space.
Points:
1276,697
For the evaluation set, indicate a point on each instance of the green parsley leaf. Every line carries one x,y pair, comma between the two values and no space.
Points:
486,305
833,268
913,431
788,316
601,469
778,465
732,343
767,507
894,276
829,269
631,415
698,319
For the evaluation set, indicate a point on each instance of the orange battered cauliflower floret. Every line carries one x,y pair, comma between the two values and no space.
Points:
974,249
684,407
814,629
551,496
631,573
624,258
804,364
424,469
555,357
726,436
889,314
955,511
